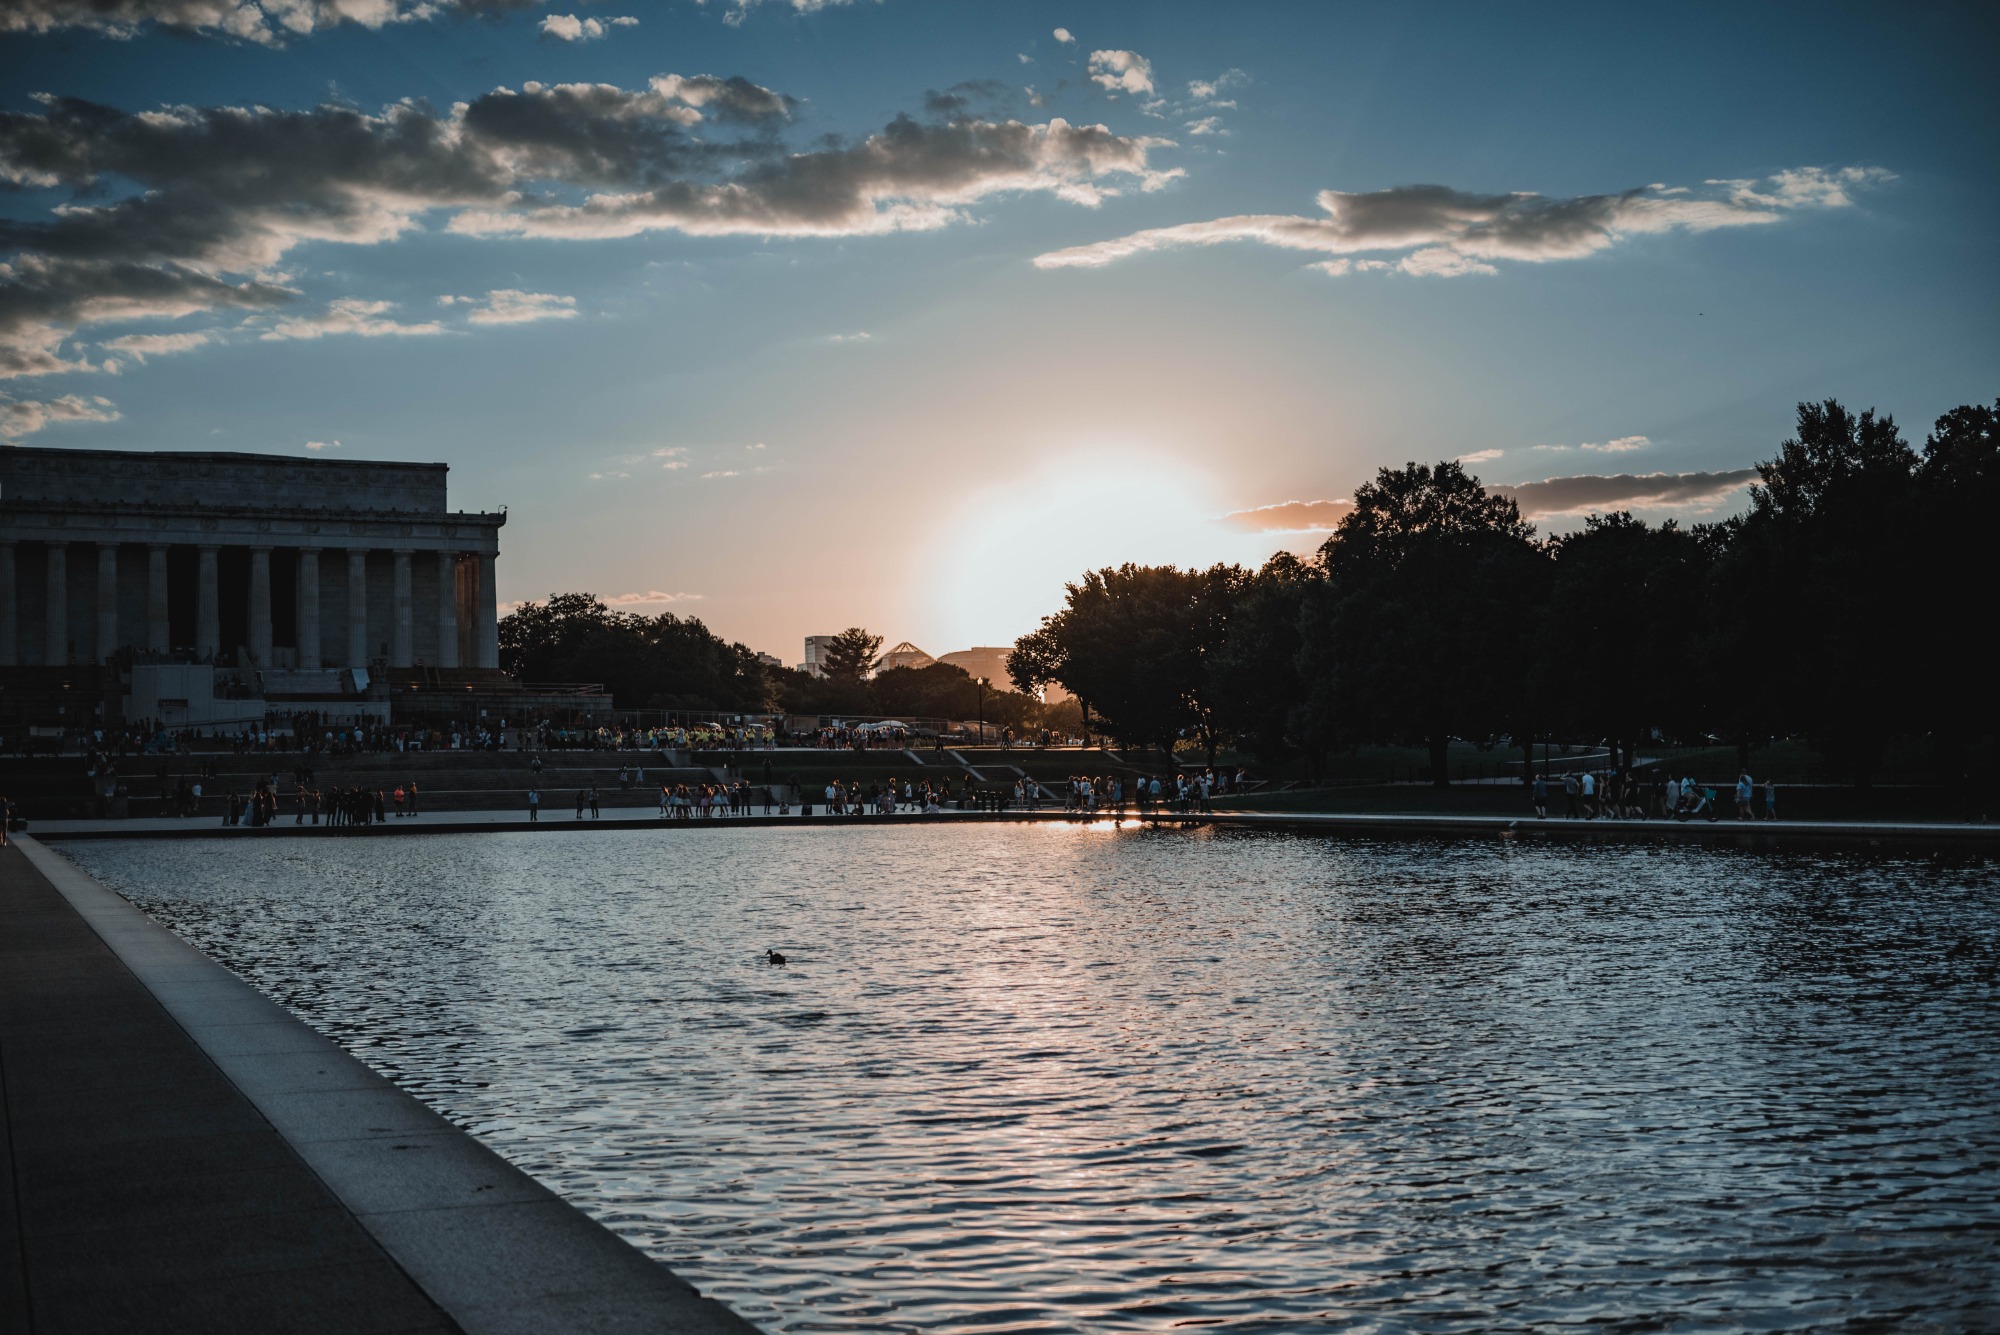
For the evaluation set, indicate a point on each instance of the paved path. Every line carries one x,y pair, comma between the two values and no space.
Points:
185,1155
1905,834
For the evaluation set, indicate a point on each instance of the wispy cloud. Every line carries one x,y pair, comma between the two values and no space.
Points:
570,28
1208,90
1291,517
1448,233
1697,493
318,445
351,315
24,417
1062,35
1480,456
1688,493
141,346
652,597
508,305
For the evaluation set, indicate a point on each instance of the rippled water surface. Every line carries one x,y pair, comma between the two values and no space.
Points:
1056,1078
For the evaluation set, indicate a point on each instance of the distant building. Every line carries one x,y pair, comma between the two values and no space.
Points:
770,660
904,655
816,650
990,662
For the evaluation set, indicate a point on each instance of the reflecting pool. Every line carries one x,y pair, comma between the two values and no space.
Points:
1054,1078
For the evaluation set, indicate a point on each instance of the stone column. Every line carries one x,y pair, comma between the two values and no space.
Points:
208,606
447,615
402,642
107,600
157,630
10,644
260,606
56,646
308,604
488,612
357,607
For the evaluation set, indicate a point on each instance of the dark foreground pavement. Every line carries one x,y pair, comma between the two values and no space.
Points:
184,1155
143,1191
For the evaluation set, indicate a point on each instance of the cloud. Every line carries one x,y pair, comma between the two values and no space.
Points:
1121,71
509,305
318,445
858,336
1480,456
141,346
740,9
1452,232
1208,90
1622,445
1062,35
350,315
1588,493
266,22
1206,125
570,28
651,596
24,417
218,196
1291,517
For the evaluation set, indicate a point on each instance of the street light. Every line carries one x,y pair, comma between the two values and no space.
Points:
982,683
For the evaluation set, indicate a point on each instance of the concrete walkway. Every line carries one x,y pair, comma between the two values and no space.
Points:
185,1155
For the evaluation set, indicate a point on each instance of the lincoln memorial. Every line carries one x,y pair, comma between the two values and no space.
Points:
286,568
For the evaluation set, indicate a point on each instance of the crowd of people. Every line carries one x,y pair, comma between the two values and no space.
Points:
1627,795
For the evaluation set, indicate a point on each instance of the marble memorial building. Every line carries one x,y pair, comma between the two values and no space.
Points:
263,562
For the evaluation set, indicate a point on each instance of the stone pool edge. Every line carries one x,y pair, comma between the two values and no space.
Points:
496,1250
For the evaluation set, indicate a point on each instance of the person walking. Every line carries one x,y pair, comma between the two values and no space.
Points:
1770,799
581,798
1541,797
1570,791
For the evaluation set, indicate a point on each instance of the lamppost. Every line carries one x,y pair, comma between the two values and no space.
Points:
982,683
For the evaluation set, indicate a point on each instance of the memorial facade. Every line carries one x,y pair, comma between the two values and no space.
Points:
261,564
245,559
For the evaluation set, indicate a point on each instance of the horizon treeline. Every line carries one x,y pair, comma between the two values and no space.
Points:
678,663
1843,608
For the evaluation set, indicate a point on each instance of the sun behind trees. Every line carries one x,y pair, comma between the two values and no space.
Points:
1845,607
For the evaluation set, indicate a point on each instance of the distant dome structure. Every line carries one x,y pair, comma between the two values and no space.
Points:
904,655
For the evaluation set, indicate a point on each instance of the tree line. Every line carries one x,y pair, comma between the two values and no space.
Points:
677,663
1843,607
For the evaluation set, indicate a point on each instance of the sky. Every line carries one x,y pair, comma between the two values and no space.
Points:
800,314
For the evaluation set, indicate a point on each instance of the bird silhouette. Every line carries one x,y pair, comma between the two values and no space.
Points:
774,957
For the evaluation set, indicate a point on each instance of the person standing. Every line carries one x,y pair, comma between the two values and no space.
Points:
593,803
534,804
581,798
1745,791
1570,790
1770,799
1541,797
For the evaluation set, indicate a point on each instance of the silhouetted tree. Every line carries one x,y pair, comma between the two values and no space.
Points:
851,655
1618,653
1816,624
1253,675
1419,629
1131,644
662,662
